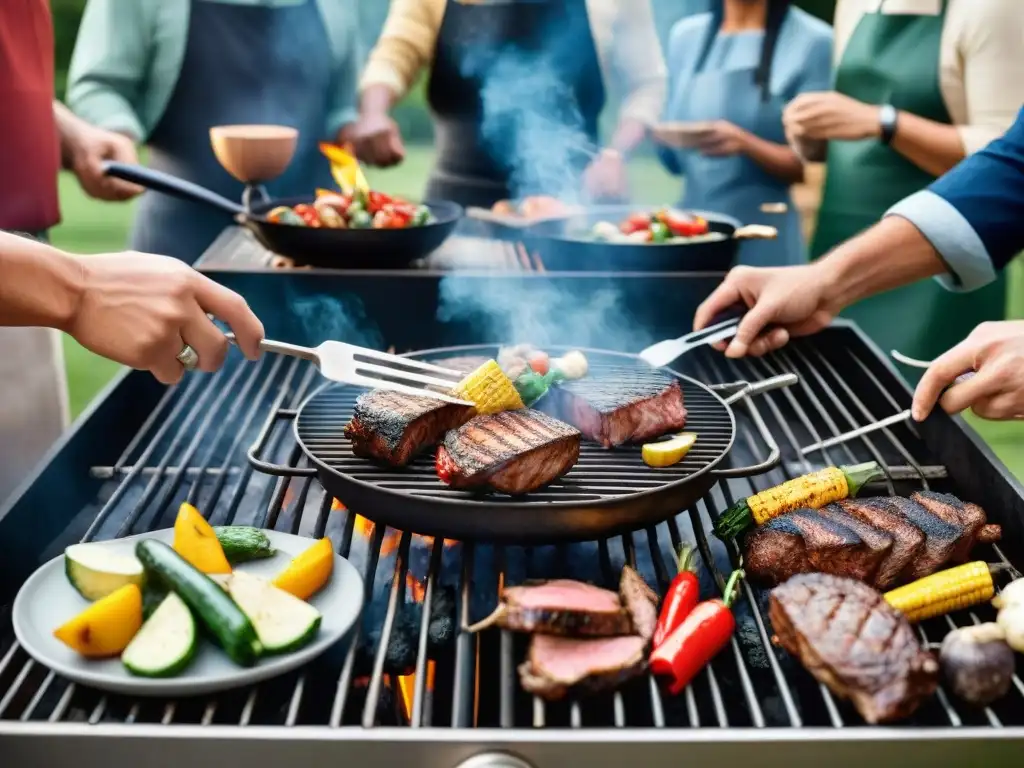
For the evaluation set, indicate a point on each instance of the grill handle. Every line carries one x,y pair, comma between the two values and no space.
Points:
741,390
254,452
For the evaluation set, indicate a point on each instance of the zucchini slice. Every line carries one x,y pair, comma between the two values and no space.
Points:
166,643
95,572
283,622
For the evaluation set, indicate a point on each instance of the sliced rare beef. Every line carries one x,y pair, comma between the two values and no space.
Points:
853,641
972,517
512,452
560,607
557,665
393,427
875,539
804,541
908,541
627,405
640,601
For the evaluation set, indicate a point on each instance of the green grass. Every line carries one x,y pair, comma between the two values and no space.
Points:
93,227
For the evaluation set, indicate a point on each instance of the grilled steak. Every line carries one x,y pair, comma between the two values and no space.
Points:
804,541
875,539
852,640
560,607
510,452
640,601
940,537
627,405
970,516
556,665
393,427
908,540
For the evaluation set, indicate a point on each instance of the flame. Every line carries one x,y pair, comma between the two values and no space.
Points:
407,689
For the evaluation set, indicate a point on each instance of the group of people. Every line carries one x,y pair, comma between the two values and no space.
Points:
893,97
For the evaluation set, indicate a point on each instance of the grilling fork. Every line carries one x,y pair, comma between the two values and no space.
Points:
361,367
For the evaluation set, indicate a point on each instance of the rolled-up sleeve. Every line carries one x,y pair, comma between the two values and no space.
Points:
405,46
974,215
639,63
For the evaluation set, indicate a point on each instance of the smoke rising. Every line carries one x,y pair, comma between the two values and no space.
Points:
329,318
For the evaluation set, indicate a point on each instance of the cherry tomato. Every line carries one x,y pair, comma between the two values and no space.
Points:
385,220
683,225
308,214
540,363
377,200
635,223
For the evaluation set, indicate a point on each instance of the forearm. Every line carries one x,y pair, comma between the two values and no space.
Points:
376,100
39,285
891,254
932,147
628,135
777,159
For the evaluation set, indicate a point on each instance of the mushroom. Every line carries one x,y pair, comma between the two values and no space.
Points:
977,663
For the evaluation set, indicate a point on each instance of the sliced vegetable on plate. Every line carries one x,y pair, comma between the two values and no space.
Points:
196,541
242,543
282,621
95,572
227,623
309,571
166,644
106,627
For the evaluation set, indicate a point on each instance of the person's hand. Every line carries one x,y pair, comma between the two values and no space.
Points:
377,140
996,352
830,115
795,301
606,176
721,139
140,310
89,148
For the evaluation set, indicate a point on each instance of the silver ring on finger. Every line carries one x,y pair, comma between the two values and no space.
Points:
188,358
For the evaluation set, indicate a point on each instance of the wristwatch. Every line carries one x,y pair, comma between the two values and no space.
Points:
887,120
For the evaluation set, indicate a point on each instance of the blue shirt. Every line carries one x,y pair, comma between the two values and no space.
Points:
974,215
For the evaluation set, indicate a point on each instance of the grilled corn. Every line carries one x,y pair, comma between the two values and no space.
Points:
943,592
489,389
814,490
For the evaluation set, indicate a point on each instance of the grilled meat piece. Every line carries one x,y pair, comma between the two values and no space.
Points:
852,640
875,539
560,607
908,541
640,601
970,516
940,537
510,452
556,665
393,427
462,363
804,541
627,405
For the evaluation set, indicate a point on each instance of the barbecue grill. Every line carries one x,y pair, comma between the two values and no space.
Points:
141,450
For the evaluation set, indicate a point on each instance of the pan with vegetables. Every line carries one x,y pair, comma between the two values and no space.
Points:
186,611
625,238
360,230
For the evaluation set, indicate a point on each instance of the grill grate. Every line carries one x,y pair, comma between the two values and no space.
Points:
600,474
192,448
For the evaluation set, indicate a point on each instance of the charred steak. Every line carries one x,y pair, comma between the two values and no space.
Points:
560,607
640,601
556,665
972,517
940,537
875,539
512,452
804,542
908,540
627,405
852,640
393,427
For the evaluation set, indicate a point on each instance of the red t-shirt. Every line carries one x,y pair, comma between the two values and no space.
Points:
29,144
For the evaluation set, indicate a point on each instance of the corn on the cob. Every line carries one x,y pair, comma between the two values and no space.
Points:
489,389
814,490
943,592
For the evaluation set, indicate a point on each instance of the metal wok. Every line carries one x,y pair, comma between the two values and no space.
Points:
307,246
565,244
606,493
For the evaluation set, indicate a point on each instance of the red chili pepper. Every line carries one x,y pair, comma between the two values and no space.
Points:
376,201
635,223
682,225
682,597
308,214
698,639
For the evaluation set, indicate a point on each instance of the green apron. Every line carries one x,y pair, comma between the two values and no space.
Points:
894,59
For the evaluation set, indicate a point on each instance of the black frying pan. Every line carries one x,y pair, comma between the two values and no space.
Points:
565,244
317,247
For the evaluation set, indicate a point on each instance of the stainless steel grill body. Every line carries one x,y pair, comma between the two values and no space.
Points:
753,704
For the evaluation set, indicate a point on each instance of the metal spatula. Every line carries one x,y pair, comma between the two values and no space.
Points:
361,367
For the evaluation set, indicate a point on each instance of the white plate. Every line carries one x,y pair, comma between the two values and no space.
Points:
47,600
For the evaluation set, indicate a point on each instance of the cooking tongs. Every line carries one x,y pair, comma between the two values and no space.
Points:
664,352
361,367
